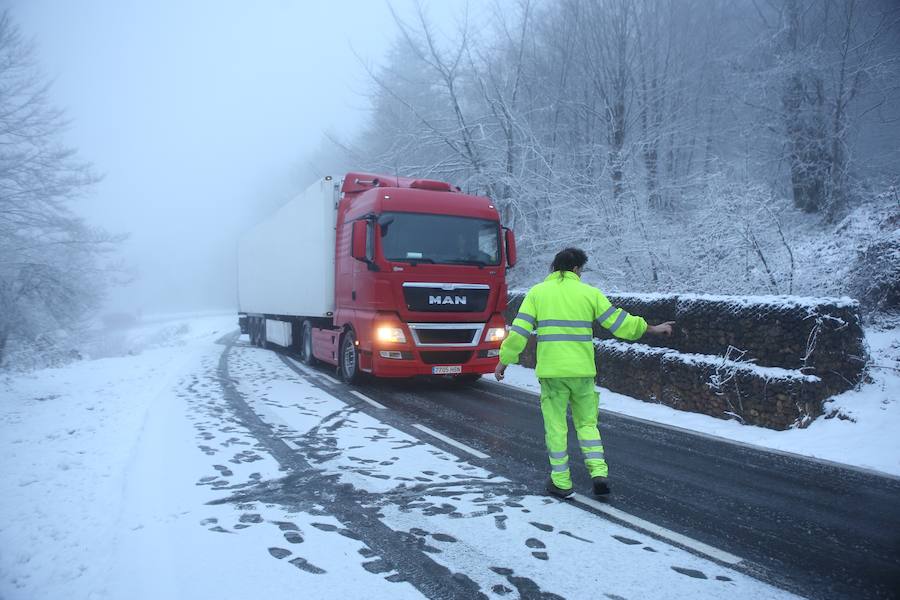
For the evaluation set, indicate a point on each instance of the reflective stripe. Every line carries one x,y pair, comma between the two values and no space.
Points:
619,320
520,330
609,312
559,468
563,323
589,443
593,455
525,317
560,454
565,337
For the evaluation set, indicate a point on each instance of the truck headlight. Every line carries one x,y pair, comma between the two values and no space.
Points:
495,334
390,334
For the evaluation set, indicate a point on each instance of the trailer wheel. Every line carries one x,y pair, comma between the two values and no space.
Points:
261,336
306,351
349,358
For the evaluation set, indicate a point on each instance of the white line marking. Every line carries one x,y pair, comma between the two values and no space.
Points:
662,532
451,441
314,373
367,399
329,378
300,366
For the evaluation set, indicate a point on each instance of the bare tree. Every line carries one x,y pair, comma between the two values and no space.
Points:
50,275
677,139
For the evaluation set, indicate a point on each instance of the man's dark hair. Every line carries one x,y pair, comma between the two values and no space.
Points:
568,259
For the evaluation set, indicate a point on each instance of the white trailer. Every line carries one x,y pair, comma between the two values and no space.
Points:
286,262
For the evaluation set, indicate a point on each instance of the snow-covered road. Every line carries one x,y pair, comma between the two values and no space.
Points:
208,470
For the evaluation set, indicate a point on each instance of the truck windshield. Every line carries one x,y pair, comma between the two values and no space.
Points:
442,239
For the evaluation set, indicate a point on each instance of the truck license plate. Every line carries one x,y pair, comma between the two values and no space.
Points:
446,370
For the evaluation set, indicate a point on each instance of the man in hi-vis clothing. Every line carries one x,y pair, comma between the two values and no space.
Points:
563,310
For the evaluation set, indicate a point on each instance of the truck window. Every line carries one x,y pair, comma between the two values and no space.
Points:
441,239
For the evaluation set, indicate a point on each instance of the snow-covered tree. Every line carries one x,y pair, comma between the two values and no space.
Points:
50,273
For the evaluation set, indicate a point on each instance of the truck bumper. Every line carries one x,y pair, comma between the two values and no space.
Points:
418,362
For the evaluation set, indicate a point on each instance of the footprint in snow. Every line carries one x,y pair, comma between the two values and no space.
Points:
377,566
625,540
305,565
572,535
219,529
250,518
690,572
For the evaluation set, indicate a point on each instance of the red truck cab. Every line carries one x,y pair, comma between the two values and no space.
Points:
420,280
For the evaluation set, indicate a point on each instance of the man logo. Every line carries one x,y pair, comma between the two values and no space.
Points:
446,299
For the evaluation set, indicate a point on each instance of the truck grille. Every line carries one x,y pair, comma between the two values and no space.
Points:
446,336
451,297
446,357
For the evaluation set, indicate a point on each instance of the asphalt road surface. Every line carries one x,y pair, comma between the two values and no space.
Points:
814,528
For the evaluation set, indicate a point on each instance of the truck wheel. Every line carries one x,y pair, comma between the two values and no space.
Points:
252,327
349,358
306,352
261,336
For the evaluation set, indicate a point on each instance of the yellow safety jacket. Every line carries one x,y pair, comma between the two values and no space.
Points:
563,310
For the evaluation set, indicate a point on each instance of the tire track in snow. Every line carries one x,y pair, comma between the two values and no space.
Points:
349,505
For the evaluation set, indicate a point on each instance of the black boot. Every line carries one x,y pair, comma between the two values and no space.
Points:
601,486
559,492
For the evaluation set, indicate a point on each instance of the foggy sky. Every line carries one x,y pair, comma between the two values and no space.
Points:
195,110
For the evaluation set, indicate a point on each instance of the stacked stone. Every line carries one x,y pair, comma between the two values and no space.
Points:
769,396
820,336
813,348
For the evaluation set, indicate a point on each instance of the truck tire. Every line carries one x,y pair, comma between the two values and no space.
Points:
252,330
349,358
258,332
306,353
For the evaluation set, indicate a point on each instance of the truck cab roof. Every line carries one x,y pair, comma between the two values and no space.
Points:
368,193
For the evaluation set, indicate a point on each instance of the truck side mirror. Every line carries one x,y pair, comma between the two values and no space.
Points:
510,247
358,243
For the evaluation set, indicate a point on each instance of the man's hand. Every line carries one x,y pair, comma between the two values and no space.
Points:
661,329
500,371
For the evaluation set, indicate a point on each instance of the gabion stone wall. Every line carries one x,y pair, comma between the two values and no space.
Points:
769,360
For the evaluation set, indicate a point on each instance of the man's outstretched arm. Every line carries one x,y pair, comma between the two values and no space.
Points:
518,335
